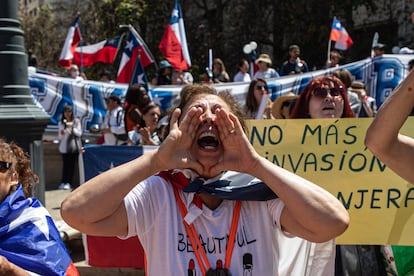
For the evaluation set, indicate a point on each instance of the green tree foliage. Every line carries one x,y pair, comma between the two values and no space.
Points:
221,25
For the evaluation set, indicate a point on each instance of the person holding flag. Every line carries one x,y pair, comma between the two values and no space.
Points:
30,243
173,44
73,38
340,36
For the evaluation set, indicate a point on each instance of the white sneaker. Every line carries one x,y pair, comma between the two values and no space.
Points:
64,186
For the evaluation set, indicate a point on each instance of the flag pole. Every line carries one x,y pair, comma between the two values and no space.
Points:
374,43
329,43
137,60
80,45
131,29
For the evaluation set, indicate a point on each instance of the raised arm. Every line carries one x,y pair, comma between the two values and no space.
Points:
383,137
310,212
97,207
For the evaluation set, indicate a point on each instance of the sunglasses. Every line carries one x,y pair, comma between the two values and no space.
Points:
4,166
261,87
321,92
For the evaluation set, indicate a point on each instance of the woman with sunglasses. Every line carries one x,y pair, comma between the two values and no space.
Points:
30,244
326,97
323,97
258,89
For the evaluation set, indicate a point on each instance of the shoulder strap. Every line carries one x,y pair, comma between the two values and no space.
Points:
118,121
192,234
195,241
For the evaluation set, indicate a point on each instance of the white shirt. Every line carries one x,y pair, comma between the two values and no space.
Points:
115,121
240,76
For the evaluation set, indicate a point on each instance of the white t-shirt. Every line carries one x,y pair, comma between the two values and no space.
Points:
240,76
154,216
268,74
114,119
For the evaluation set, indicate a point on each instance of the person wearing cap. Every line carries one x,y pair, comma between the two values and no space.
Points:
379,49
265,71
163,77
294,64
368,106
282,106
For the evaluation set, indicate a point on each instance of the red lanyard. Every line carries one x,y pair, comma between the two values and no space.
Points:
195,241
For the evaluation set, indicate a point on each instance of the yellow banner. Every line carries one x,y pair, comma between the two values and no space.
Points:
332,154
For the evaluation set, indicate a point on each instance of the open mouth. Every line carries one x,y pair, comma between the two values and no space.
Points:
328,108
208,141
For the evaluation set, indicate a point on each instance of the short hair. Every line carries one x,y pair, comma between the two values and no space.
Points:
344,75
115,98
293,47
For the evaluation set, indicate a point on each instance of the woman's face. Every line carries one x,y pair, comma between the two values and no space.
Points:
326,102
152,117
6,175
260,89
68,115
207,147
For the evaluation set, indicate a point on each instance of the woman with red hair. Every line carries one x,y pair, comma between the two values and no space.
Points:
323,97
326,97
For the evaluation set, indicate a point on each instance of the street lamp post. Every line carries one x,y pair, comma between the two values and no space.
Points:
21,120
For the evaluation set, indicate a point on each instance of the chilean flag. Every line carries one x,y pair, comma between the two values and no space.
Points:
72,40
104,51
30,239
135,47
341,37
173,44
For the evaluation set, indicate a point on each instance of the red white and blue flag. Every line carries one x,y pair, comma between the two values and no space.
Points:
173,44
341,37
135,47
72,41
139,76
30,239
110,251
104,51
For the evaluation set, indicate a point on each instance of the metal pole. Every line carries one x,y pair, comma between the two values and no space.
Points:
21,120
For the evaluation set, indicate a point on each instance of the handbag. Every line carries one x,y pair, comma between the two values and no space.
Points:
72,145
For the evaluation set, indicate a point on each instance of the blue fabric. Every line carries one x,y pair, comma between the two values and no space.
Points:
29,237
233,186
